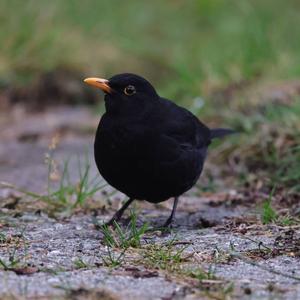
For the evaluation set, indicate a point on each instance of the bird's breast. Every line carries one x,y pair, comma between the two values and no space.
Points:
144,164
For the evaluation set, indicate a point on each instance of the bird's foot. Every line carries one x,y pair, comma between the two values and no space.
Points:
101,226
168,223
166,228
111,223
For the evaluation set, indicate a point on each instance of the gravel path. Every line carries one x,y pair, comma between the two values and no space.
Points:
51,256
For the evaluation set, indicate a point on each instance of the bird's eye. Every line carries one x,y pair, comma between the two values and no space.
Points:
129,90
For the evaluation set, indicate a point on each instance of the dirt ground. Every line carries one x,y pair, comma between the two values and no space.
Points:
52,253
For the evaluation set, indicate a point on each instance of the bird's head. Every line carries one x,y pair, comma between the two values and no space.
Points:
125,92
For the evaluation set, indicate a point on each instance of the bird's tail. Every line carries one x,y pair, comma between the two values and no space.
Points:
220,132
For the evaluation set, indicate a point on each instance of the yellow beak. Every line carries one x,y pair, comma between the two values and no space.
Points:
100,83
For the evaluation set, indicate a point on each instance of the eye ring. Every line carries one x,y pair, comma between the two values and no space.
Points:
129,90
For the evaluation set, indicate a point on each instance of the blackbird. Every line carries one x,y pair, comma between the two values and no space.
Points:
146,146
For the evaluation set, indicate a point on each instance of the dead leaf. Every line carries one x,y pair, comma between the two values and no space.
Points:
24,270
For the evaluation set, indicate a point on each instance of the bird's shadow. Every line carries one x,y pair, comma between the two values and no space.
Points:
183,220
155,223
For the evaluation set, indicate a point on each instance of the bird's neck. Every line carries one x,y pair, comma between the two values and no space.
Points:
130,113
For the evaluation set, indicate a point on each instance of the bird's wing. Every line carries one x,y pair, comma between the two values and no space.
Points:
180,146
182,126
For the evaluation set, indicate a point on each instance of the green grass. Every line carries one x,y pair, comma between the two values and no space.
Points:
287,220
3,238
64,195
15,259
201,274
267,144
113,259
268,213
131,236
117,237
164,256
68,194
80,264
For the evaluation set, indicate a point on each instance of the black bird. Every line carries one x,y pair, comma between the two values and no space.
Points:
146,146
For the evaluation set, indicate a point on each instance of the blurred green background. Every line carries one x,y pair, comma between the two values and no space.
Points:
210,55
184,46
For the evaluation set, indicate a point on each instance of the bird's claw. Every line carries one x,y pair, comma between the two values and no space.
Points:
168,224
110,223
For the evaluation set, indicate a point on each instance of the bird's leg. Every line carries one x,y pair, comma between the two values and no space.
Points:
117,216
169,220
